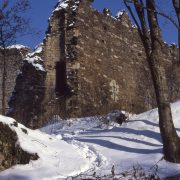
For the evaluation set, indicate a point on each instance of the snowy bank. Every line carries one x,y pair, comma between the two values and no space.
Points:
90,147
57,159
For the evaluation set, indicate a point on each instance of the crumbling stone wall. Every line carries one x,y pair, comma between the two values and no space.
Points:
105,63
94,64
26,100
54,52
29,91
109,54
111,65
13,60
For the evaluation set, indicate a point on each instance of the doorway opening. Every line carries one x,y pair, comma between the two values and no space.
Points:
61,85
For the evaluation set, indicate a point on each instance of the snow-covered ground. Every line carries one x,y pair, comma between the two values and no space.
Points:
88,146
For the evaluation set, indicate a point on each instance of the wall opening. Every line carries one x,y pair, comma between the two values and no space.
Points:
61,85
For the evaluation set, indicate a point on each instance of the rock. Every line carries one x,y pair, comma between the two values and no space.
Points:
10,152
121,118
114,117
117,116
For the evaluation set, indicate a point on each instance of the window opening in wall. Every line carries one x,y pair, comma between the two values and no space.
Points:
105,28
61,86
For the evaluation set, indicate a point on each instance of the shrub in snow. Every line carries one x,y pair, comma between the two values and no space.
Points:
136,173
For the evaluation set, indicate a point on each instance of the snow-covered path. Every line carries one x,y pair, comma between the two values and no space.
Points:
88,146
135,143
57,158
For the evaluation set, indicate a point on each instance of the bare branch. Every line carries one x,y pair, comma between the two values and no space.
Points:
12,23
141,5
132,14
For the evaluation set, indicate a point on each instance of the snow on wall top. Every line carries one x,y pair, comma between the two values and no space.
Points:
34,58
35,62
120,13
63,4
18,46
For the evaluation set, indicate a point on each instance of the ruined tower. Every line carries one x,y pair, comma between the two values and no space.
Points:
90,63
14,57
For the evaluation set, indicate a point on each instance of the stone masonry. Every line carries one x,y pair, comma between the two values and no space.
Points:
14,59
94,64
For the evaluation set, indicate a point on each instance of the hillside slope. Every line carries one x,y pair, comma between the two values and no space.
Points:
96,146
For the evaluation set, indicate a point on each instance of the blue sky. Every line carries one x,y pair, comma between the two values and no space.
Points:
42,9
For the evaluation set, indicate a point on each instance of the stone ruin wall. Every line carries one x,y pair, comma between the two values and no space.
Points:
34,99
105,64
110,69
105,67
14,59
54,45
109,54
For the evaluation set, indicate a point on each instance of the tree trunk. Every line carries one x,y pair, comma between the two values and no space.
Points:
176,5
4,75
171,141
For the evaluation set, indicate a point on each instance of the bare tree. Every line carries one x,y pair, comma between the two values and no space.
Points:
147,18
176,5
12,24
